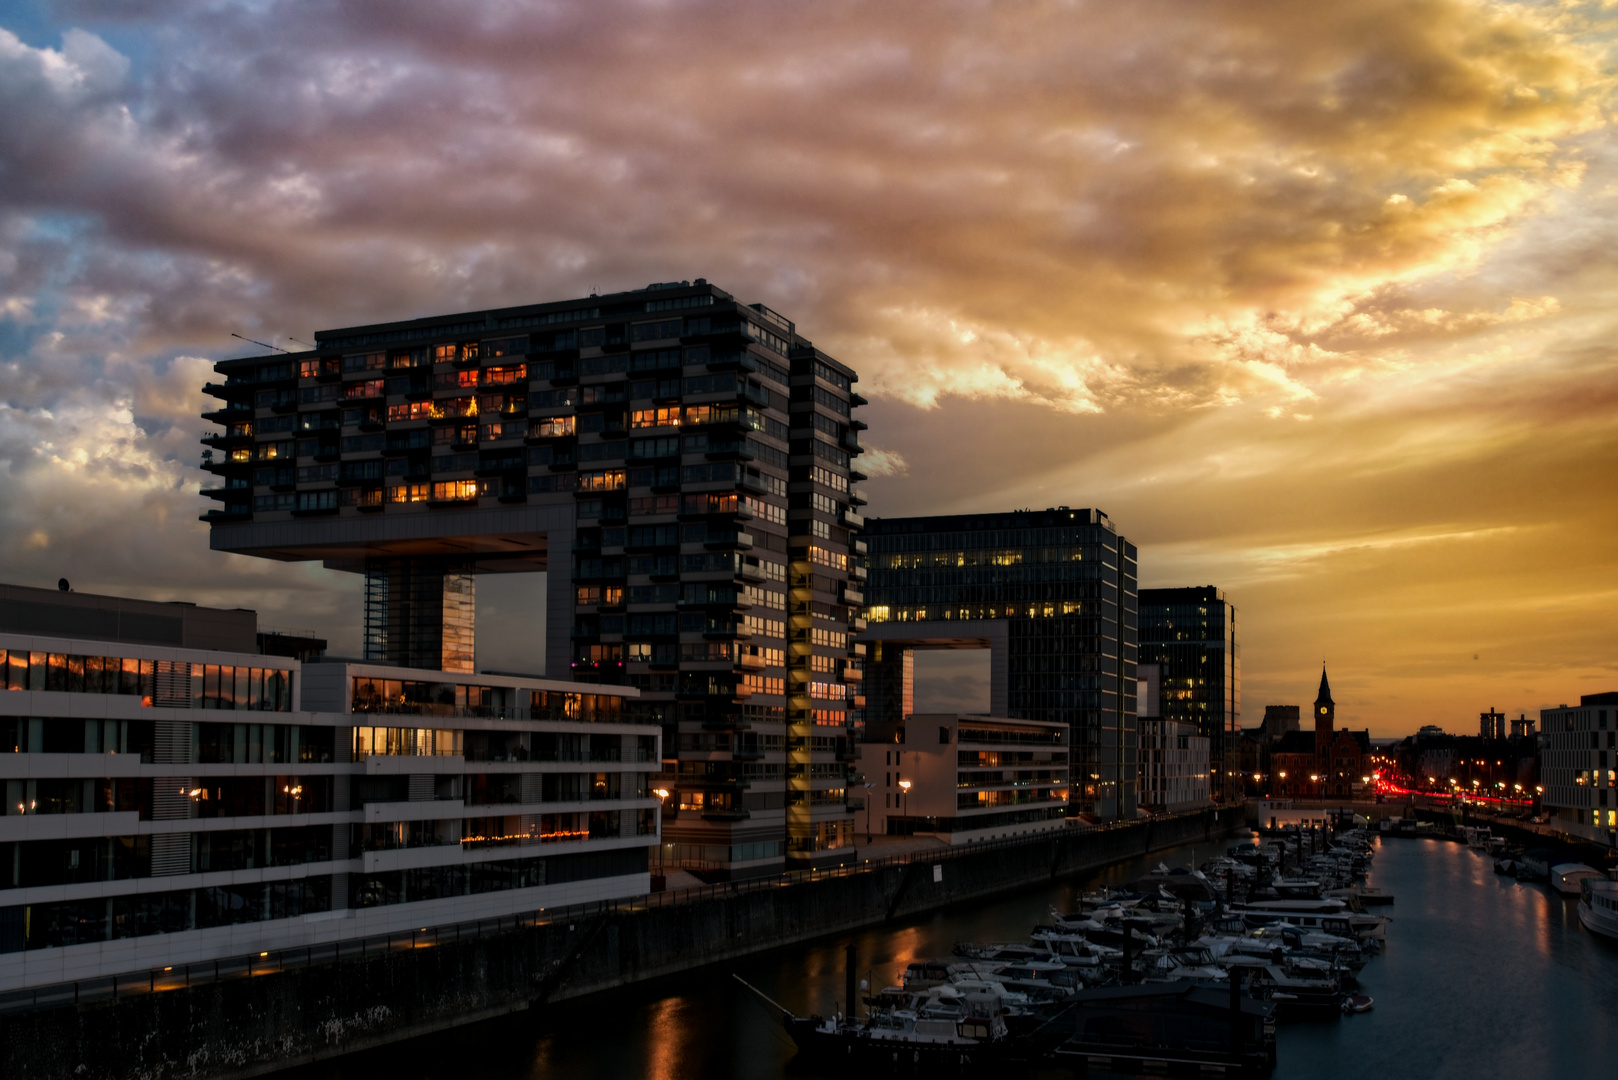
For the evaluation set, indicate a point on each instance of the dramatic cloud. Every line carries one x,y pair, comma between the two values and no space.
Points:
1314,299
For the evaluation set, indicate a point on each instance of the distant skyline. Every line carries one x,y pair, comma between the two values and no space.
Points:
1315,301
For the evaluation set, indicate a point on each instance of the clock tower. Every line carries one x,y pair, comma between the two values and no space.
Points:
1325,717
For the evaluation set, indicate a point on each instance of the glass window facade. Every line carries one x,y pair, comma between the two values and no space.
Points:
1064,582
1191,634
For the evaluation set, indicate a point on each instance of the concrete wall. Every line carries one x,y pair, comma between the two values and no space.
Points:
249,1026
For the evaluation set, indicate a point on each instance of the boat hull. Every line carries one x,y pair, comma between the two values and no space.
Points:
1597,922
863,1053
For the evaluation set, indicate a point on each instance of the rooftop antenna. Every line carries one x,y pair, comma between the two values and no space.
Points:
260,344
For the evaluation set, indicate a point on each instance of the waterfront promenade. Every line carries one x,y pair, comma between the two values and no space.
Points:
271,1011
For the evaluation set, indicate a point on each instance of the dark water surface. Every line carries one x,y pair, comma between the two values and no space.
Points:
1482,977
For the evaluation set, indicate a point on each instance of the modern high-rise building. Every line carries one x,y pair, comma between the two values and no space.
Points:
1191,635
680,464
1051,594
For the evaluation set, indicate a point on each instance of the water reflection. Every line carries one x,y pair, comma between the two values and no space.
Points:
1481,977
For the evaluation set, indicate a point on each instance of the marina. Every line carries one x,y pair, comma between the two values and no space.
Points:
1502,968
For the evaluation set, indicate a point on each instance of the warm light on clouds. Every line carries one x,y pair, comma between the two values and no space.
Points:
1314,299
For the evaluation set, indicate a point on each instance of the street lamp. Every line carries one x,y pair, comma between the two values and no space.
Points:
904,801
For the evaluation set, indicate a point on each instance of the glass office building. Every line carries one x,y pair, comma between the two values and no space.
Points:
1191,635
1052,594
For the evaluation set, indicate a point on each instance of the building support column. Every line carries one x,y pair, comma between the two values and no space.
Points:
420,613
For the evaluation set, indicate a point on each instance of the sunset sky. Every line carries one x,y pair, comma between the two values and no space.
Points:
1315,300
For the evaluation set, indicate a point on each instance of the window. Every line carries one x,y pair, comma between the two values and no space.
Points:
365,362
407,493
656,331
551,427
317,500
654,504
831,375
503,376
512,346
649,448
668,416
602,480
410,358
455,490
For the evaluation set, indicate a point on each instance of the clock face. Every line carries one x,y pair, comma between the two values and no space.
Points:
1323,710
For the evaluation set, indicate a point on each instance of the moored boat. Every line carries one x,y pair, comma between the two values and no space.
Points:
1598,907
1565,878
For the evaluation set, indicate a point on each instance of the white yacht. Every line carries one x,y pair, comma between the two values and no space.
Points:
1598,907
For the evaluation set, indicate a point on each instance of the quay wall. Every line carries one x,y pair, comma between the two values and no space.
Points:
260,1024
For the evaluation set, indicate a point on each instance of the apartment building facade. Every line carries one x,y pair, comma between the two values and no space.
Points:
169,805
680,464
965,778
1578,766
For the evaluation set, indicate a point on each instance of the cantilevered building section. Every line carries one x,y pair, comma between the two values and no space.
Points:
1051,594
1191,635
681,465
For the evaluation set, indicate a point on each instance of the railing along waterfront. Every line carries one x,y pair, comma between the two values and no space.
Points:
201,973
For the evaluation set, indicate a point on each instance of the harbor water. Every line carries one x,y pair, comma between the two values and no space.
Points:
1482,976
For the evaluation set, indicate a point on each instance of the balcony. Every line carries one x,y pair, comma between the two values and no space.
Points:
736,539
747,751
224,440
229,512
730,450
852,596
749,572
726,813
750,662
235,411
859,547
852,518
229,390
726,722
